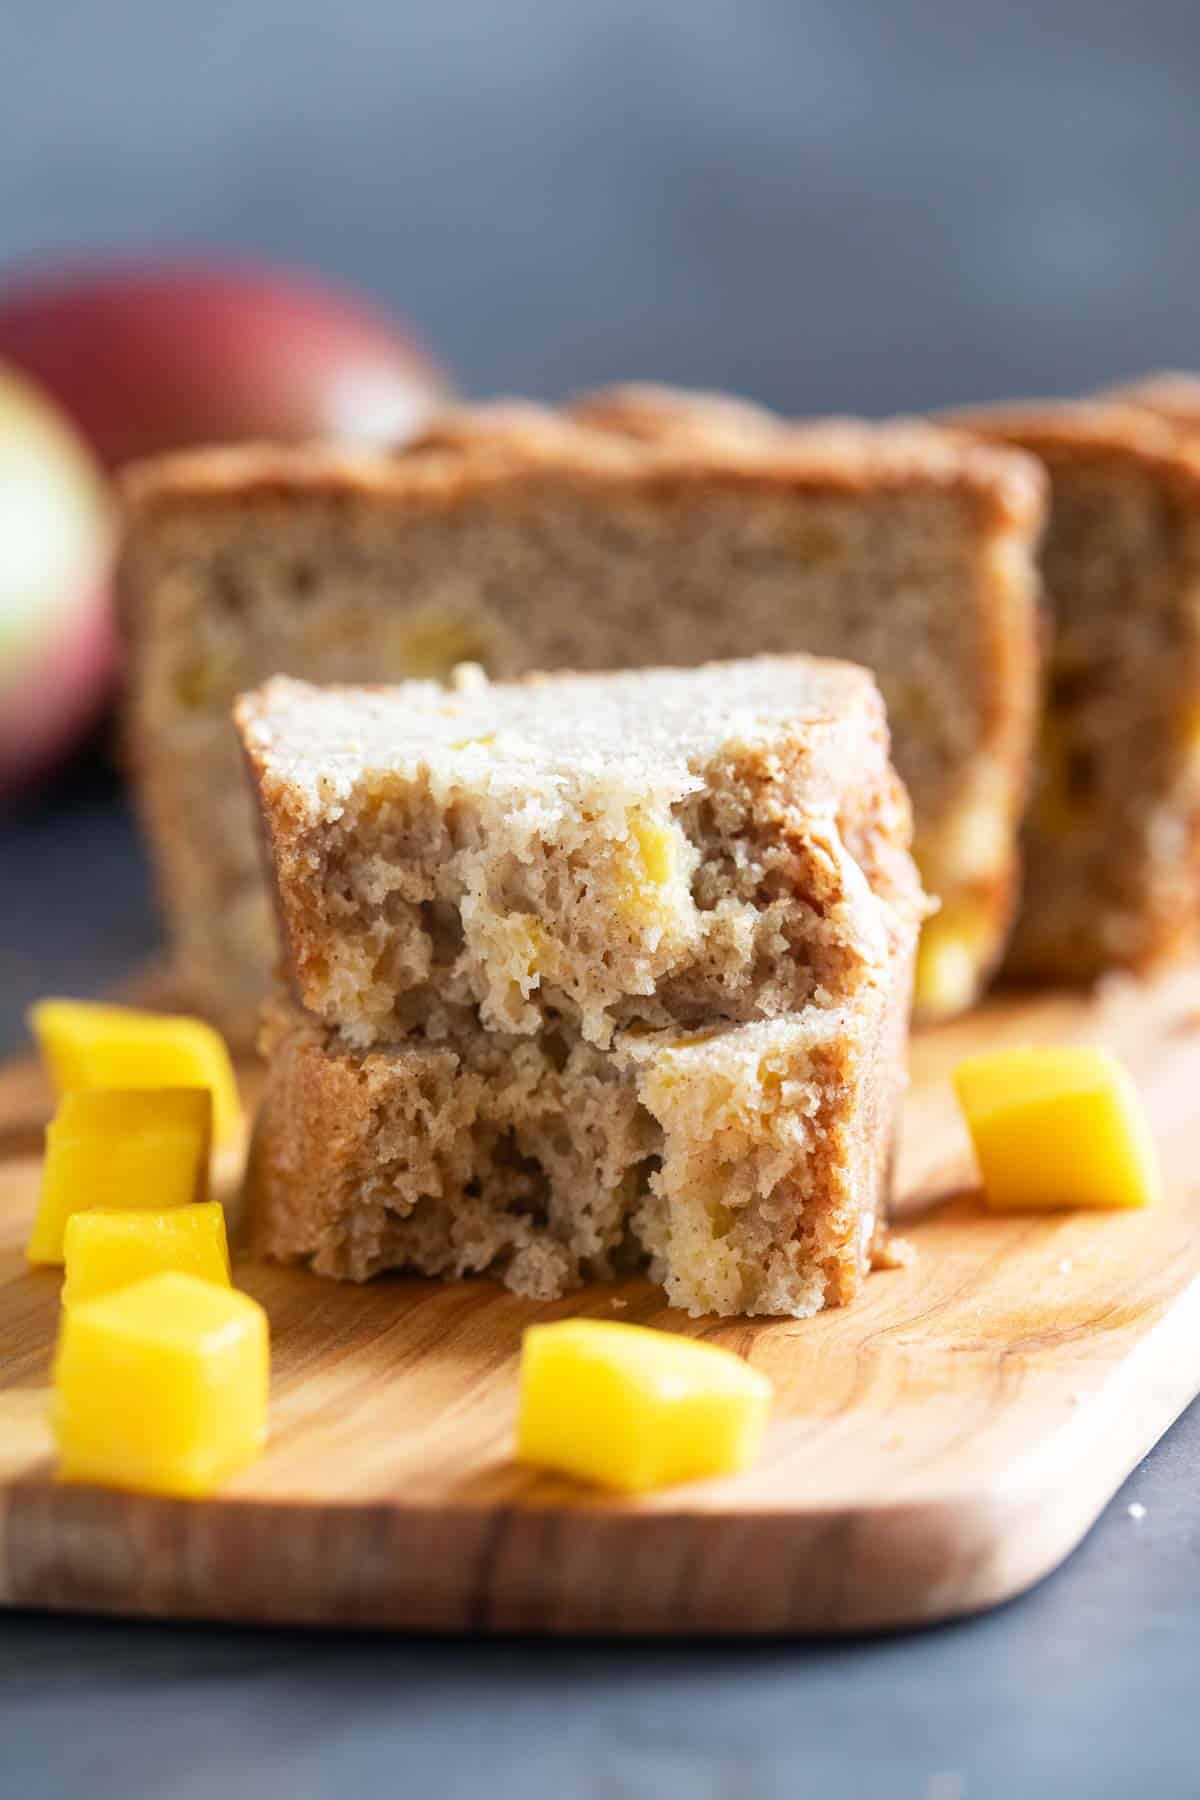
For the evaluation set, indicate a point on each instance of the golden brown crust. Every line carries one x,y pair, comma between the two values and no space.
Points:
1172,395
652,412
1101,431
469,449
316,1111
860,1152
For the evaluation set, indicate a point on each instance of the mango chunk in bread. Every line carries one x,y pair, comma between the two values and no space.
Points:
948,955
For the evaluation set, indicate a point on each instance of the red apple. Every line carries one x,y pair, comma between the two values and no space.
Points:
151,356
57,642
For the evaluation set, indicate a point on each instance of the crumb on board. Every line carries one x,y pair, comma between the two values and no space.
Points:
1136,1510
894,1253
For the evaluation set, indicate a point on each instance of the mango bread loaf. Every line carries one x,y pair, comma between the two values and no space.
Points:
595,969
521,538
1112,845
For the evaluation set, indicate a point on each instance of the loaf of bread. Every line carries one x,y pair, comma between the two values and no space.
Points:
594,970
1112,844
675,530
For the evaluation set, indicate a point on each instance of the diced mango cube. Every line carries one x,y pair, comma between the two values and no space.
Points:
1057,1127
161,1387
88,1044
950,956
635,1409
104,1251
132,1150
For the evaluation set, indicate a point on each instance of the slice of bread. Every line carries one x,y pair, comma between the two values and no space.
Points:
1112,844
665,848
746,1167
522,538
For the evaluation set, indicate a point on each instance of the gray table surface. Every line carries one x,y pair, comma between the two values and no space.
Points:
867,205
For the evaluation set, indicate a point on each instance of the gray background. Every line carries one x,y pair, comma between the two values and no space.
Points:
875,204
872,205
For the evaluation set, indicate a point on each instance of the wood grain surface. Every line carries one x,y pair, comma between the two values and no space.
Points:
934,1448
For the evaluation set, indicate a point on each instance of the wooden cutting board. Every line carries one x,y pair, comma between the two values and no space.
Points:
934,1449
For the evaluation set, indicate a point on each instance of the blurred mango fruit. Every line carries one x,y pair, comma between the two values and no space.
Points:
105,362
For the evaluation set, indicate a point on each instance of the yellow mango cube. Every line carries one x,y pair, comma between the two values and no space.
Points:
161,1387
108,1147
104,1251
88,1044
634,1409
950,954
1057,1127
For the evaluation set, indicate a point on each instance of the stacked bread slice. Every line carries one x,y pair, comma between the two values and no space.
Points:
586,971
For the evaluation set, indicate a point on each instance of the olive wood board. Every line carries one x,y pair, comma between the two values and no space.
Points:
934,1448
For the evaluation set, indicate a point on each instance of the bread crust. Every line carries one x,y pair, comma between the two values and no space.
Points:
1172,395
1101,431
505,445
